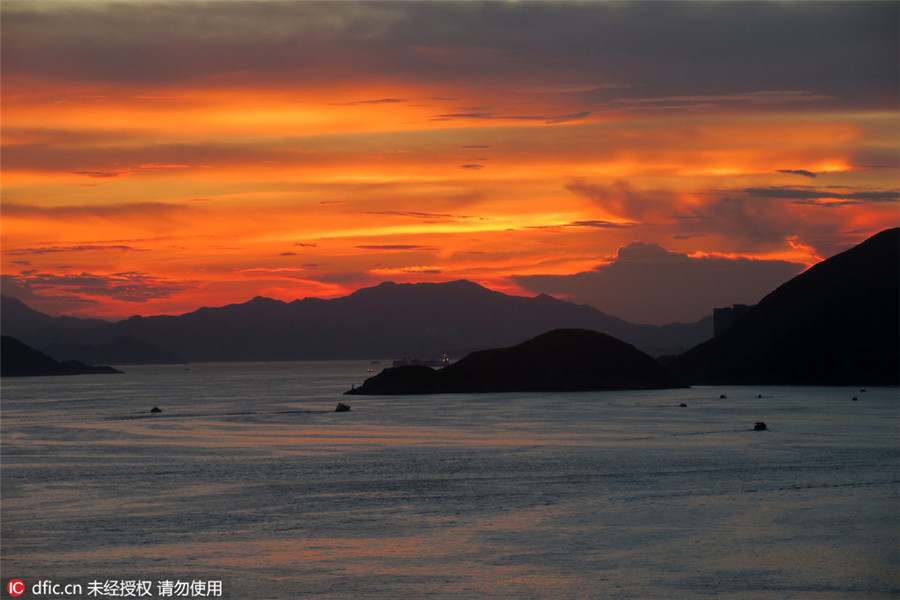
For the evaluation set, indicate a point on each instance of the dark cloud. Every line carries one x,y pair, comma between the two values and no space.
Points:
554,119
828,204
378,101
69,249
599,224
101,174
594,223
621,199
129,287
116,159
758,220
805,193
847,50
706,102
645,283
753,223
410,213
427,217
395,247
124,211
802,172
43,136
471,167
47,302
14,286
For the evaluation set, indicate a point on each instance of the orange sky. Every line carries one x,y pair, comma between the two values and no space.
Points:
223,150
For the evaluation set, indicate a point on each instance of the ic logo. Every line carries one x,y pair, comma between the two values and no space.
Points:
16,587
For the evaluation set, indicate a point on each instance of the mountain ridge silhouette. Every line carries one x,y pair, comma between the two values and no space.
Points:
386,320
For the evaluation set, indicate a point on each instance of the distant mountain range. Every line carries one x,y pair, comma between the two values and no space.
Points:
388,320
838,323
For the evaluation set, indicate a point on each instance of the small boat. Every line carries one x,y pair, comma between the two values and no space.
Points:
156,409
760,426
341,407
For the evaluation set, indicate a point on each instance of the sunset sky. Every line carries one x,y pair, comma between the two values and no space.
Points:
652,159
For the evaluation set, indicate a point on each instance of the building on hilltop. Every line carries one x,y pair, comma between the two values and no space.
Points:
723,318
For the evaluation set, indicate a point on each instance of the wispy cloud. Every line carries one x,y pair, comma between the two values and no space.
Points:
574,88
126,210
130,287
429,217
70,249
771,97
591,223
549,119
395,247
802,172
805,193
409,270
102,174
377,101
622,199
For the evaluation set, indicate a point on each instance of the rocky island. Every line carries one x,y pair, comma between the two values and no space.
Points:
562,360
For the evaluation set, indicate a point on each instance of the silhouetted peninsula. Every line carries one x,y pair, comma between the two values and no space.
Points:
20,360
838,323
562,360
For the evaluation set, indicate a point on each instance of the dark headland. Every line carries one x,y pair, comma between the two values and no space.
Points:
20,360
557,361
838,323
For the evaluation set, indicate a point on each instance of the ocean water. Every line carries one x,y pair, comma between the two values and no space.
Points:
249,478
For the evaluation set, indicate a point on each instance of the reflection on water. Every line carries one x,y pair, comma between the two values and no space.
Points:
249,476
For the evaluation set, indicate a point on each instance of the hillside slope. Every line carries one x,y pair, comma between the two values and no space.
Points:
20,360
838,323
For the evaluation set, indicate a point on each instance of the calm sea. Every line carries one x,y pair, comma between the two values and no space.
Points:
250,481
